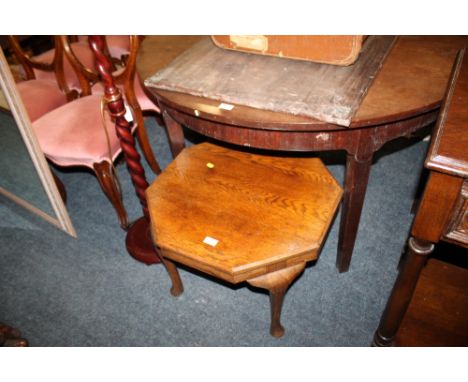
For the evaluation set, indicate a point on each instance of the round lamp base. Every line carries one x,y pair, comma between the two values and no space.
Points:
140,244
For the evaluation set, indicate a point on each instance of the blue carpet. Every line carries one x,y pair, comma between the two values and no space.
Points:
88,291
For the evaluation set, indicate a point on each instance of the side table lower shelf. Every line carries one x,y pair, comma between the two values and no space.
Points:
438,313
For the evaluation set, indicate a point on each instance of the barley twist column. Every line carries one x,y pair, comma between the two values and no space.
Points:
138,241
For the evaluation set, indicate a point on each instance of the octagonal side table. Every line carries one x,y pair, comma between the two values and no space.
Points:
242,217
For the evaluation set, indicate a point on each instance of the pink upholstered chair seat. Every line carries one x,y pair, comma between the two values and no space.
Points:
40,97
82,52
143,100
73,134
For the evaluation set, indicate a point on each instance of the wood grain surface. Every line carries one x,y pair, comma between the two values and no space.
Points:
267,213
412,80
438,313
325,92
450,154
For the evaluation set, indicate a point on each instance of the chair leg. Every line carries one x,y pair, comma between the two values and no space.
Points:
111,187
177,286
277,283
143,140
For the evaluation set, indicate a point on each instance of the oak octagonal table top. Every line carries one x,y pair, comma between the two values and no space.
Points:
237,215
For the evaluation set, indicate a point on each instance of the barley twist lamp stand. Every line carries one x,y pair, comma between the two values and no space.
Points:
138,240
237,216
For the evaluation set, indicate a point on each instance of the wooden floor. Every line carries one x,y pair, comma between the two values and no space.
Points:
438,313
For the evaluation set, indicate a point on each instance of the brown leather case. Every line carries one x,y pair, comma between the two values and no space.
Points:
336,50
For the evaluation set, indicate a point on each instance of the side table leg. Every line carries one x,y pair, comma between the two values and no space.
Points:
357,176
177,287
277,284
175,134
403,290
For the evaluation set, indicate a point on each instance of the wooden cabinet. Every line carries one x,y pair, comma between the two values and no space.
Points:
442,214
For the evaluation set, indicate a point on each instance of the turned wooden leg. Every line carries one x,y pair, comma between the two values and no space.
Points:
357,176
144,142
277,284
111,187
175,134
177,286
400,298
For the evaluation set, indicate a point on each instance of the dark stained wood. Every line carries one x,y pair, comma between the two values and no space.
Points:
175,133
438,312
360,145
109,183
242,217
138,242
402,291
457,229
404,97
356,178
56,66
450,154
326,92
443,207
412,80
436,207
125,78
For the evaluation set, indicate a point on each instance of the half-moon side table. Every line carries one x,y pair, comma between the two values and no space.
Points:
405,96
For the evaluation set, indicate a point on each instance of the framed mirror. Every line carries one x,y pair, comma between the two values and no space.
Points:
25,176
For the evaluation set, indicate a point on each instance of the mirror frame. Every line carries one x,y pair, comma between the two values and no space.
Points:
21,117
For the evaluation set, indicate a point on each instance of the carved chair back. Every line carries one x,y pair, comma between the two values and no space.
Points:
55,66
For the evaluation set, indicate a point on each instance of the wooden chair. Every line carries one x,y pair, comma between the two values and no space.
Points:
116,46
43,94
72,134
234,215
51,65
79,133
128,81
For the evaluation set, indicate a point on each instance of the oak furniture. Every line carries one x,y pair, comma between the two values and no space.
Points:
235,215
242,217
404,97
443,212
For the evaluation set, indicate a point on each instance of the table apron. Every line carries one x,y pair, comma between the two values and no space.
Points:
356,141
